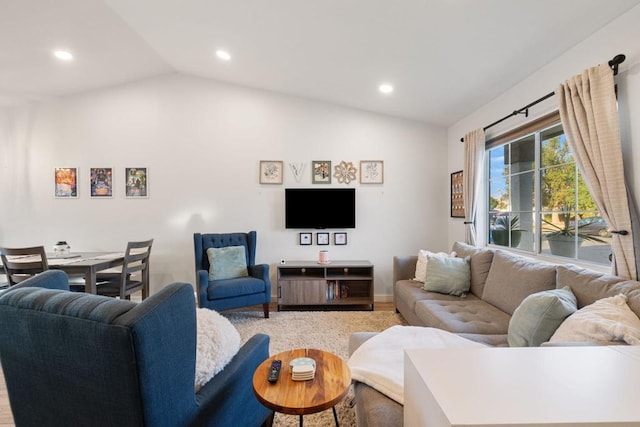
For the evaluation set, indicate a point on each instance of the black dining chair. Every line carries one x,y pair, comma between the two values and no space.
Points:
132,277
22,263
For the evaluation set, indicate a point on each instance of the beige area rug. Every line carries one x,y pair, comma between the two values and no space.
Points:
327,331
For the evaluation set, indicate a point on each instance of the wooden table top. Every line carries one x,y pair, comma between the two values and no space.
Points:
329,386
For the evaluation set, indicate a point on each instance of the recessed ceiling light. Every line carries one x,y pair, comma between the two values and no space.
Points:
63,55
223,54
385,88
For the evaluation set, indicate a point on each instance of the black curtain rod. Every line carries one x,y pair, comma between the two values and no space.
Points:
617,60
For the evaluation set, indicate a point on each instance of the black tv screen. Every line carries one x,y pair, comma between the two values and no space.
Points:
320,208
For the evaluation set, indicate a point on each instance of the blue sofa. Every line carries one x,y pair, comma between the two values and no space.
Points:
227,294
75,359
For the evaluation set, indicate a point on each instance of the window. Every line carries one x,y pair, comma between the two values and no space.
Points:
538,200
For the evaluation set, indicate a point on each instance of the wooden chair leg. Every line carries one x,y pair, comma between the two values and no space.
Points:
265,308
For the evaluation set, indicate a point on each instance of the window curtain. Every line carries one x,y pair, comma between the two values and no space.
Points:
589,115
474,148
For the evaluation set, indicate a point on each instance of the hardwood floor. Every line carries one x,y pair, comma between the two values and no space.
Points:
6,419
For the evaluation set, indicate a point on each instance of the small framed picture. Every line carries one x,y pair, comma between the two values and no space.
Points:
101,180
136,182
271,171
339,238
371,172
322,238
66,182
321,172
305,238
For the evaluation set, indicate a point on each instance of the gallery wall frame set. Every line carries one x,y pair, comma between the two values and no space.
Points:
370,172
322,238
101,182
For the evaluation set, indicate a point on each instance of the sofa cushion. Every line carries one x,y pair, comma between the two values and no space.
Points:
411,292
512,278
590,286
539,315
480,263
218,342
227,263
463,315
608,319
423,260
447,275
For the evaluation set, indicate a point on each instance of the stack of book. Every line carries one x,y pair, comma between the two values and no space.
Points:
302,369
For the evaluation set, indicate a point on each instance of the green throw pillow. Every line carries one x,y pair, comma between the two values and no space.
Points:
539,315
448,275
227,263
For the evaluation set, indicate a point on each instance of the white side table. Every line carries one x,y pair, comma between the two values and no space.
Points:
572,386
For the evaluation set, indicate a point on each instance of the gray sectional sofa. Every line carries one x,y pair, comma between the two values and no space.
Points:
500,281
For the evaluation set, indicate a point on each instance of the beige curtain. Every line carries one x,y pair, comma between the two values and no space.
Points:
474,147
589,115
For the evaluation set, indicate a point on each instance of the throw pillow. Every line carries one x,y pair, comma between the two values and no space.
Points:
608,319
448,275
421,263
218,341
227,263
539,315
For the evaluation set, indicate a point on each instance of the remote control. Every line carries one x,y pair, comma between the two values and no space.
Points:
274,371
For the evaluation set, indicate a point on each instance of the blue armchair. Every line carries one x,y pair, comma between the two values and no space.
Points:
226,294
78,359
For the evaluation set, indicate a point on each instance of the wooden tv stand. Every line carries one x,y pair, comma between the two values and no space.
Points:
334,286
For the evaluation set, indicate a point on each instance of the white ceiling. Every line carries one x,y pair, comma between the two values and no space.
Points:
445,58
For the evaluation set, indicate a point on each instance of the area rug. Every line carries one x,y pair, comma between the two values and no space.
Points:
327,331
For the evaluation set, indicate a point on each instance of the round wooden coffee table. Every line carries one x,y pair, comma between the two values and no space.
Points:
324,391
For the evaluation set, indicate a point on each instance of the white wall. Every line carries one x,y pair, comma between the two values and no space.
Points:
620,36
202,142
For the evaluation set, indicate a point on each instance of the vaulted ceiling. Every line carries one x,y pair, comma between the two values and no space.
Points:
444,58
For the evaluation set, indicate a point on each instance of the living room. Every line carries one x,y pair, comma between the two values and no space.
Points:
202,140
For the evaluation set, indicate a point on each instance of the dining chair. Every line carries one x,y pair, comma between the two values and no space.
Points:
22,263
132,277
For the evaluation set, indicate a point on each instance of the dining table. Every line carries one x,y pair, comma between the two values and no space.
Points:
85,264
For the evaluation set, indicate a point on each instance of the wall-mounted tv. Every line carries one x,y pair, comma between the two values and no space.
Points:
320,208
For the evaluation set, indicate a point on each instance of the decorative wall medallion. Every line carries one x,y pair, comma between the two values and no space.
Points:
345,172
297,169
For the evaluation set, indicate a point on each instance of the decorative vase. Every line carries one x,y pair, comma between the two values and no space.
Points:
61,248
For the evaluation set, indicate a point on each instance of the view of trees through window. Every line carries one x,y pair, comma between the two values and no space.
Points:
539,202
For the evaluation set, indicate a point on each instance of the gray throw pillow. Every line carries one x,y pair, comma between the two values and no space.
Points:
448,275
539,315
227,263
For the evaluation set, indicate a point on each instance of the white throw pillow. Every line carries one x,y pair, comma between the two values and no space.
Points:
421,264
608,319
218,341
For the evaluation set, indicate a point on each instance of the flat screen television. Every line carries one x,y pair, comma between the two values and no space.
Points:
320,208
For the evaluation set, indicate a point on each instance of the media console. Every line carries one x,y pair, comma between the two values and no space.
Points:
340,284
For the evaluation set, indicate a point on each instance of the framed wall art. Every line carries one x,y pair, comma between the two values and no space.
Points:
322,238
321,172
371,172
66,182
340,238
305,239
457,201
271,171
101,182
136,182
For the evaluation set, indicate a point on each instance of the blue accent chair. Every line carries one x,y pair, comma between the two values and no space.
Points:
227,294
73,359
